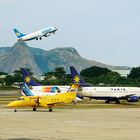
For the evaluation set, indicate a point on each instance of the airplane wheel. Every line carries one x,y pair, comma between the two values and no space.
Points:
40,38
118,102
15,110
34,109
74,102
36,38
107,102
50,110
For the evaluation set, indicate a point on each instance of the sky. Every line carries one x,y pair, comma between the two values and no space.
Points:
107,31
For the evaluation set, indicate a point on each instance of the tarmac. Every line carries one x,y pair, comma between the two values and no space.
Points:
70,124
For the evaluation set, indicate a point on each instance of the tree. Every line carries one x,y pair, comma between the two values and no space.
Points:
58,77
3,73
111,78
134,73
9,80
94,72
60,72
17,75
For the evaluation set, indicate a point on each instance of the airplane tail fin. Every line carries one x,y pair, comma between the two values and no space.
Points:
18,33
28,79
76,78
25,89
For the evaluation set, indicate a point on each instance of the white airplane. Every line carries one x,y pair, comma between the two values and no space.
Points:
35,35
109,94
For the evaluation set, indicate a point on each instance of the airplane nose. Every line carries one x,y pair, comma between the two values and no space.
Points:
12,104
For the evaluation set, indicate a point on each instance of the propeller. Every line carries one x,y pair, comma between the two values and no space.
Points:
37,101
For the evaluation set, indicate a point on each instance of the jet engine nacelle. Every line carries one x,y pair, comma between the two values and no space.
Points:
133,99
79,96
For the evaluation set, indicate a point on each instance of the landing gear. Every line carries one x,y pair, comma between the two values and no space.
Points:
36,38
74,102
40,38
107,101
50,110
118,102
15,110
34,109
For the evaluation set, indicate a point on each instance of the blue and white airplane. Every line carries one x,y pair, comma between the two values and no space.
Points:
109,94
35,35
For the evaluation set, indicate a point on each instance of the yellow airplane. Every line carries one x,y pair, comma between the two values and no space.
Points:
43,101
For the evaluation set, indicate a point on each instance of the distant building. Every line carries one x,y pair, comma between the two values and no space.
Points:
3,76
123,73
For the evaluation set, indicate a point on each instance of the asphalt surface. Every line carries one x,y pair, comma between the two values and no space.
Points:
70,124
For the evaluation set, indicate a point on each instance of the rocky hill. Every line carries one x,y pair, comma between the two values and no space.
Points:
42,61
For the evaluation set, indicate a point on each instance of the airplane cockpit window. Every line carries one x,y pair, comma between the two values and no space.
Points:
55,90
58,90
20,99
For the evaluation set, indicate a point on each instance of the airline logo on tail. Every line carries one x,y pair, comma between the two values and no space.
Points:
76,79
17,33
27,79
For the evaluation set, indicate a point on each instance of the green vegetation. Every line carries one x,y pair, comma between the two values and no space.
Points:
58,77
95,75
104,77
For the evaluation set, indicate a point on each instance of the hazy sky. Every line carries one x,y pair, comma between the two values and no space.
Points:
107,31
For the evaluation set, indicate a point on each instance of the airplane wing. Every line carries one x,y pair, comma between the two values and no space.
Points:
126,96
48,105
45,33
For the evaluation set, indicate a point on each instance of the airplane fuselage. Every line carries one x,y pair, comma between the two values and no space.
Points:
43,101
49,90
109,93
38,34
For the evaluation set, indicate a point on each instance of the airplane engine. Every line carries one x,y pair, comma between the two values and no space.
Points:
133,99
79,96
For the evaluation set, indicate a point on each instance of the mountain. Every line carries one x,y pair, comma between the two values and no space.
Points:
42,61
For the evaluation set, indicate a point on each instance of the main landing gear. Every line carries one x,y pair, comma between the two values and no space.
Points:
118,102
15,110
50,110
34,109
107,101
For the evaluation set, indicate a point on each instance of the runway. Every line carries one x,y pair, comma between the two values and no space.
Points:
70,124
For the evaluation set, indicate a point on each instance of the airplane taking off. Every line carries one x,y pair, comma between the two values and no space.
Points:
35,35
109,94
43,101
